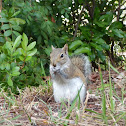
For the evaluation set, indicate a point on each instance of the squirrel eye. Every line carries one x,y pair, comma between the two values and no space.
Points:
61,56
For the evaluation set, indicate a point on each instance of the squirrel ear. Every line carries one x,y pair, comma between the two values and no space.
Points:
65,48
52,47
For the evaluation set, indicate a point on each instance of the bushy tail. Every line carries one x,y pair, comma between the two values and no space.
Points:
83,63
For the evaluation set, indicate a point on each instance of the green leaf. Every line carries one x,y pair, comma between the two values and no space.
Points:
13,22
17,20
44,34
17,41
104,20
10,82
47,51
23,52
3,20
7,65
107,18
2,39
49,29
15,71
118,33
116,25
99,41
93,57
13,64
101,55
31,46
16,27
16,33
18,51
16,13
2,56
7,33
28,58
11,11
8,46
80,1
64,37
62,11
25,41
5,26
21,58
2,66
82,50
66,15
101,24
0,61
86,32
15,53
105,46
74,44
96,46
31,53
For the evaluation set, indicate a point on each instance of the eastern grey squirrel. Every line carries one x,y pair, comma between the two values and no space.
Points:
69,75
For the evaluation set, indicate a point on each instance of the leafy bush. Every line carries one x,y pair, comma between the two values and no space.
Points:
97,32
90,27
13,57
10,25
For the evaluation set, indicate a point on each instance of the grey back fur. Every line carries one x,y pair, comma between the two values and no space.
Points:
83,63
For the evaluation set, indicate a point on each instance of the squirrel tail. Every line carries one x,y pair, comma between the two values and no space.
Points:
83,63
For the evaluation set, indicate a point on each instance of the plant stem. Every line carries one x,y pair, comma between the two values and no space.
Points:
75,33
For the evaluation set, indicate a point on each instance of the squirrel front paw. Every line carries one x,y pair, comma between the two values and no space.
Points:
63,74
53,71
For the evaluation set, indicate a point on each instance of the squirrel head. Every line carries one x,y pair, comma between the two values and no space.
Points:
59,56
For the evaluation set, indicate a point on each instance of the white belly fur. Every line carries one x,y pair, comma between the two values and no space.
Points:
68,91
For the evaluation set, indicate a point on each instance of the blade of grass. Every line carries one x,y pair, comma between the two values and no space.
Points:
103,98
113,68
112,103
43,70
122,115
16,117
60,111
123,92
89,110
77,115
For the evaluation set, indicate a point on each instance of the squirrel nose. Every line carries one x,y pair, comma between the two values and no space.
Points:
54,65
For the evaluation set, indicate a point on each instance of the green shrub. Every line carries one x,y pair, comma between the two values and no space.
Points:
13,58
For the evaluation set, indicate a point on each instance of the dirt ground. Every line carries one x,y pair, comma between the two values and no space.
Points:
36,106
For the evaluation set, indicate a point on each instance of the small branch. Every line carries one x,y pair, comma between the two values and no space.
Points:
73,14
115,9
119,6
91,9
79,18
118,11
23,64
